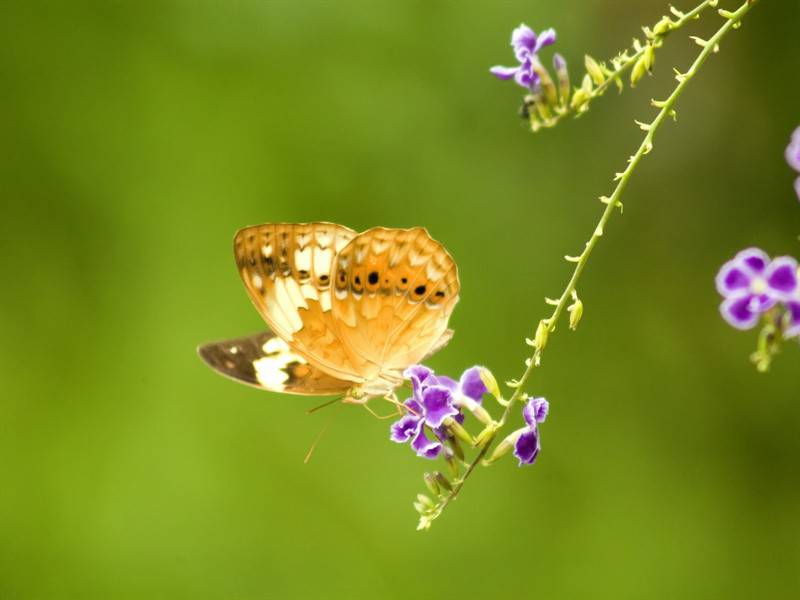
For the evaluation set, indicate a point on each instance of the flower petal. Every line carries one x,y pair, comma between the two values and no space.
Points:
471,384
754,258
535,411
503,72
793,151
437,405
448,382
793,327
781,276
797,187
733,277
405,429
546,38
738,311
527,447
425,447
523,40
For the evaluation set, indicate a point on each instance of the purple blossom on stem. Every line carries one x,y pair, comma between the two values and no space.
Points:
528,445
752,284
526,45
433,401
793,157
792,329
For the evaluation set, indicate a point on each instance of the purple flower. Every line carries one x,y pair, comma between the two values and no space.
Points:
526,45
751,284
527,446
793,318
793,157
433,401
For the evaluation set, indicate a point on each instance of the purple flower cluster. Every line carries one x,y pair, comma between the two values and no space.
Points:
526,45
433,401
527,445
793,157
752,284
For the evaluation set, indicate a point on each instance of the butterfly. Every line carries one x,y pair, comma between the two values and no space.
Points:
348,312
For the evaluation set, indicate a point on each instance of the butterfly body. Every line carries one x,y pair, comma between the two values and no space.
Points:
348,312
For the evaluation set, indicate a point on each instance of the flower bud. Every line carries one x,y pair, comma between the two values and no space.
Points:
575,313
548,87
643,65
594,70
542,333
431,483
456,446
442,481
425,501
663,26
560,65
506,445
579,100
490,382
452,462
458,431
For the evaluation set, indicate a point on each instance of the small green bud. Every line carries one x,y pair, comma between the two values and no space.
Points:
639,70
548,87
594,70
425,501
458,431
431,483
580,99
542,333
456,446
442,481
452,462
506,445
486,436
490,382
575,313
562,74
663,26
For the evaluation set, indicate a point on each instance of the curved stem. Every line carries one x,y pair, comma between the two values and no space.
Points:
666,107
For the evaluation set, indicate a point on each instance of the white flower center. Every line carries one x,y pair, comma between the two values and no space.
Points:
758,285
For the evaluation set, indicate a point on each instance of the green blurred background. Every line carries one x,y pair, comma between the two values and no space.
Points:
138,136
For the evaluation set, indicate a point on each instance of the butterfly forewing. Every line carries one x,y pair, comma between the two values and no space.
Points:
394,291
266,361
287,270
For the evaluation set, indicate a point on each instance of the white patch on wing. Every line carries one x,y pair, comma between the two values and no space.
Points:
293,289
285,306
302,259
415,259
273,345
325,300
433,273
322,261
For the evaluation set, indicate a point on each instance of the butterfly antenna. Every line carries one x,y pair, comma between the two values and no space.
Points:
311,411
317,439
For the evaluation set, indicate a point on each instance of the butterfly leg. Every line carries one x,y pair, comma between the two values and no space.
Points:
391,415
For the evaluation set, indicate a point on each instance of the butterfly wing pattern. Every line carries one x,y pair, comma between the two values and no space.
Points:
267,362
349,311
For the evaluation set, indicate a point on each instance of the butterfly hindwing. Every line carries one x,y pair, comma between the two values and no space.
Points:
394,291
267,362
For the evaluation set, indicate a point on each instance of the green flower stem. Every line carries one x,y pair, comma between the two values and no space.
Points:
548,325
675,25
654,39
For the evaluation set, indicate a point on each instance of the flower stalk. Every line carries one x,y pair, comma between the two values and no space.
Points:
547,325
